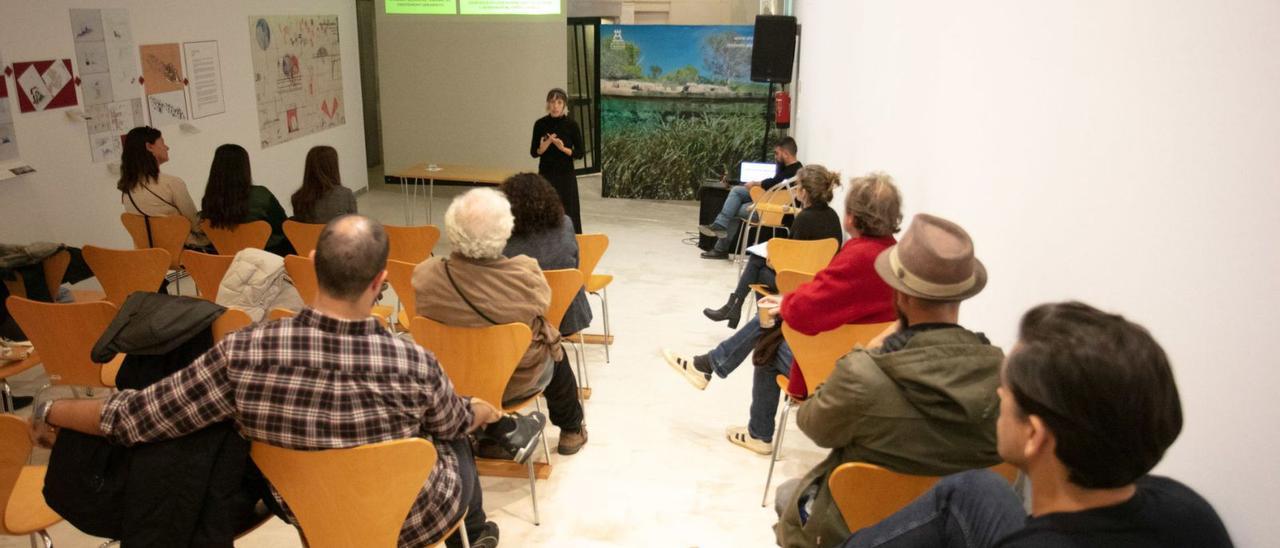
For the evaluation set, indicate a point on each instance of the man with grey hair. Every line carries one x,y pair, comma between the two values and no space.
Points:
282,382
476,286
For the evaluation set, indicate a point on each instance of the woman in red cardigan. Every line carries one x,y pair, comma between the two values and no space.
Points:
848,290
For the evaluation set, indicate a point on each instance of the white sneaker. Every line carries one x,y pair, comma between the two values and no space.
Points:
685,367
739,436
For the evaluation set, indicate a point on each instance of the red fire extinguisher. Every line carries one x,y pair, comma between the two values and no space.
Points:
782,109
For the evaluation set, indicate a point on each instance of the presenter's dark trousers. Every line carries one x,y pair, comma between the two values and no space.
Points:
566,185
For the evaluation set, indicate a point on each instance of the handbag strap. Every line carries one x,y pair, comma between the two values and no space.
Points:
146,219
449,274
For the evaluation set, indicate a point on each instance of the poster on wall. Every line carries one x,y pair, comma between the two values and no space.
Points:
676,88
205,72
44,85
11,164
297,73
164,83
108,65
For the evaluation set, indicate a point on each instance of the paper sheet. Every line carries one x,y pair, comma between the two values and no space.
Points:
205,72
297,66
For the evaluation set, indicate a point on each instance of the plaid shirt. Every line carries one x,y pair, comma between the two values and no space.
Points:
312,382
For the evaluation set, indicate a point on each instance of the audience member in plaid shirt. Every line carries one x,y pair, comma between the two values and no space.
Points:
331,377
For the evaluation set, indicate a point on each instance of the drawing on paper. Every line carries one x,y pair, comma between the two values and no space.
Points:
109,74
297,68
10,160
44,85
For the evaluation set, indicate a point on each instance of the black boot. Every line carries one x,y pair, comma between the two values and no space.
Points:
731,311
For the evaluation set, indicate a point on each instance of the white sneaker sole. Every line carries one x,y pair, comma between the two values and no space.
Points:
685,368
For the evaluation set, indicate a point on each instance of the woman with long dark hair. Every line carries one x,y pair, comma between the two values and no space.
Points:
144,190
322,196
556,143
231,198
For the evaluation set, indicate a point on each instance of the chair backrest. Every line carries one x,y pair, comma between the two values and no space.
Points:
789,280
303,236
54,268
591,248
168,233
15,448
816,355
233,319
866,494
123,271
479,360
358,496
770,207
400,276
229,241
412,244
207,271
64,335
565,284
801,255
302,270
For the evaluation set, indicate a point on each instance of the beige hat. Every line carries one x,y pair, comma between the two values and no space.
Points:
934,260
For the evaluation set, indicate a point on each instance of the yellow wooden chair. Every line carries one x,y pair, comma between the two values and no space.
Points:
400,276
229,322
229,241
22,507
411,244
480,361
591,248
565,284
64,335
303,236
357,496
124,271
798,255
168,233
768,209
303,273
866,494
206,271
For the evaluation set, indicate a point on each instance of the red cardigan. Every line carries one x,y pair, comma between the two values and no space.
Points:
848,290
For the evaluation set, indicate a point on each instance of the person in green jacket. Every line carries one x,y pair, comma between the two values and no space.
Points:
924,402
231,198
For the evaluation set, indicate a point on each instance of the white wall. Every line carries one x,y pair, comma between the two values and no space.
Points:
466,89
72,200
1122,153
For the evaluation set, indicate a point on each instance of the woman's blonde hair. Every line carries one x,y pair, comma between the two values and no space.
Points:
874,204
818,182
479,223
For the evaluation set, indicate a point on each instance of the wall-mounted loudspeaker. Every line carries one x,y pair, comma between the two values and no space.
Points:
774,49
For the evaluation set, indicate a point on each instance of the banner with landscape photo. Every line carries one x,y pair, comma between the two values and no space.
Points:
677,107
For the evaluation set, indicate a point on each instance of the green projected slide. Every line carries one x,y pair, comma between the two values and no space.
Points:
474,7
509,7
444,7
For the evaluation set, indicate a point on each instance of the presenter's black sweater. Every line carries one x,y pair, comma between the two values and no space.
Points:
553,161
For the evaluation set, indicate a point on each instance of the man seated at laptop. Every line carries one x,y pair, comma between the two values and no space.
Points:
1088,406
737,205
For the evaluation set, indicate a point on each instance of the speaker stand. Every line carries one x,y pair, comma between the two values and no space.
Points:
768,120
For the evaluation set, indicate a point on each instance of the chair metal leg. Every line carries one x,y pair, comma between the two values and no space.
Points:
6,397
608,335
466,539
537,402
777,448
43,537
533,491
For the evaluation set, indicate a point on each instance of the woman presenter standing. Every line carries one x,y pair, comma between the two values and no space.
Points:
556,143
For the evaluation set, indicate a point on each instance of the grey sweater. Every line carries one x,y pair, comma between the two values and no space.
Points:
338,201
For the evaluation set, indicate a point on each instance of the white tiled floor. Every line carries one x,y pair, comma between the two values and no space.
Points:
657,470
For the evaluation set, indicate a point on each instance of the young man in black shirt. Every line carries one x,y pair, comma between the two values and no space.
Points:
1088,406
738,205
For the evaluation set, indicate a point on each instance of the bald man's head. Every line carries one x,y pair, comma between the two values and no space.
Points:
352,251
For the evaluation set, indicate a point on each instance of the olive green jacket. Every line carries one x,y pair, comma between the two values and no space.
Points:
927,409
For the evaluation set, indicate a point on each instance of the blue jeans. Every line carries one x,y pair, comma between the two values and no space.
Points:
728,355
739,198
969,509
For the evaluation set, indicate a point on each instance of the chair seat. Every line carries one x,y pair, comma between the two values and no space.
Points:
87,295
598,282
762,289
26,512
784,384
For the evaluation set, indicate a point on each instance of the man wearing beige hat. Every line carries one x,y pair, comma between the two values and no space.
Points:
923,403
